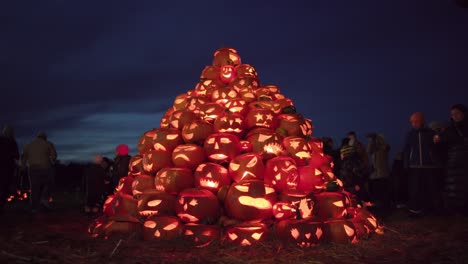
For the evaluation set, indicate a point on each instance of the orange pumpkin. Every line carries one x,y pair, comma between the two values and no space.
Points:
211,176
246,71
339,231
153,202
265,142
331,205
135,165
226,56
210,111
199,235
258,117
188,156
167,139
298,149
173,180
210,72
162,228
221,147
142,183
310,179
197,205
304,233
231,123
196,131
179,118
154,160
242,83
246,167
282,173
227,73
145,142
246,234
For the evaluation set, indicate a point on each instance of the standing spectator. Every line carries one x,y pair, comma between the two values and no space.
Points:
121,161
329,149
455,138
9,156
360,150
379,189
40,156
399,179
420,160
95,176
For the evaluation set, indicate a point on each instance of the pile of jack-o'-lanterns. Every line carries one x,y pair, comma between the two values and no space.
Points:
232,160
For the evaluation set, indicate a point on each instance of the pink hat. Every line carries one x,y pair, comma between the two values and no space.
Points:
122,150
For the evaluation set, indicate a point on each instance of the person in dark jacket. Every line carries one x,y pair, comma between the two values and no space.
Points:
95,176
455,138
420,159
121,161
9,156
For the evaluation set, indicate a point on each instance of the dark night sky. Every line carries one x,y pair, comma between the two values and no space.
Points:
94,74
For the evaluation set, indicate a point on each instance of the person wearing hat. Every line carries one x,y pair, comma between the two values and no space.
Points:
39,156
121,161
421,163
455,138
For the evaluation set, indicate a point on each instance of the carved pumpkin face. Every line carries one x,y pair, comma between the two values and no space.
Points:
182,117
298,149
210,111
125,185
231,123
260,118
246,167
294,125
246,71
145,142
142,183
247,94
188,156
196,205
246,146
310,179
200,235
236,105
250,200
210,72
241,83
226,56
362,215
284,210
282,173
124,207
153,202
205,88
167,139
135,165
162,228
273,106
331,205
196,131
154,160
173,180
303,233
180,102
267,92
246,234
223,95
265,142
339,231
166,118
211,176
303,203
222,147
227,73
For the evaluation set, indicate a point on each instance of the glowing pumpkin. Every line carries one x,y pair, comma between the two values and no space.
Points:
125,185
303,203
246,166
196,131
250,200
221,147
245,83
246,234
211,111
246,146
135,165
167,139
247,94
210,72
231,123
331,205
282,173
298,149
154,160
179,118
227,73
180,102
226,56
265,142
173,180
236,105
339,231
124,228
195,105
205,88
145,142
162,228
196,205
310,179
246,71
211,176
199,235
153,202
142,183
304,233
223,95
188,156
166,118
284,210
258,117
124,208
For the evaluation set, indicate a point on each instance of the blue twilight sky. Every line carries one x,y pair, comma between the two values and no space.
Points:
94,74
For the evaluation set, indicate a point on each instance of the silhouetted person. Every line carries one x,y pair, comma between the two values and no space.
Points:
121,161
40,156
420,160
455,138
379,187
95,176
329,149
399,180
9,155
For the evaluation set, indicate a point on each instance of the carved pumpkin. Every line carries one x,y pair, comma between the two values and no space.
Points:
221,147
196,131
248,95
273,106
304,233
173,180
250,200
166,118
226,56
200,236
267,92
162,228
246,234
282,173
294,125
210,72
246,71
339,231
211,176
246,166
205,88
210,111
145,143
124,208
124,228
265,142
188,156
135,165
179,118
331,205
237,105
284,210
196,205
310,179
153,202
227,73
223,95
250,83
303,203
180,102
167,139
298,149
231,123
246,146
258,117
125,185
365,217
142,183
154,160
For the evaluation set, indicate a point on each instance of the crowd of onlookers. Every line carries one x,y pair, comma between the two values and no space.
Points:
428,176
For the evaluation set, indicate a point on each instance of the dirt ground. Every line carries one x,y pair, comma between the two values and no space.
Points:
60,236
